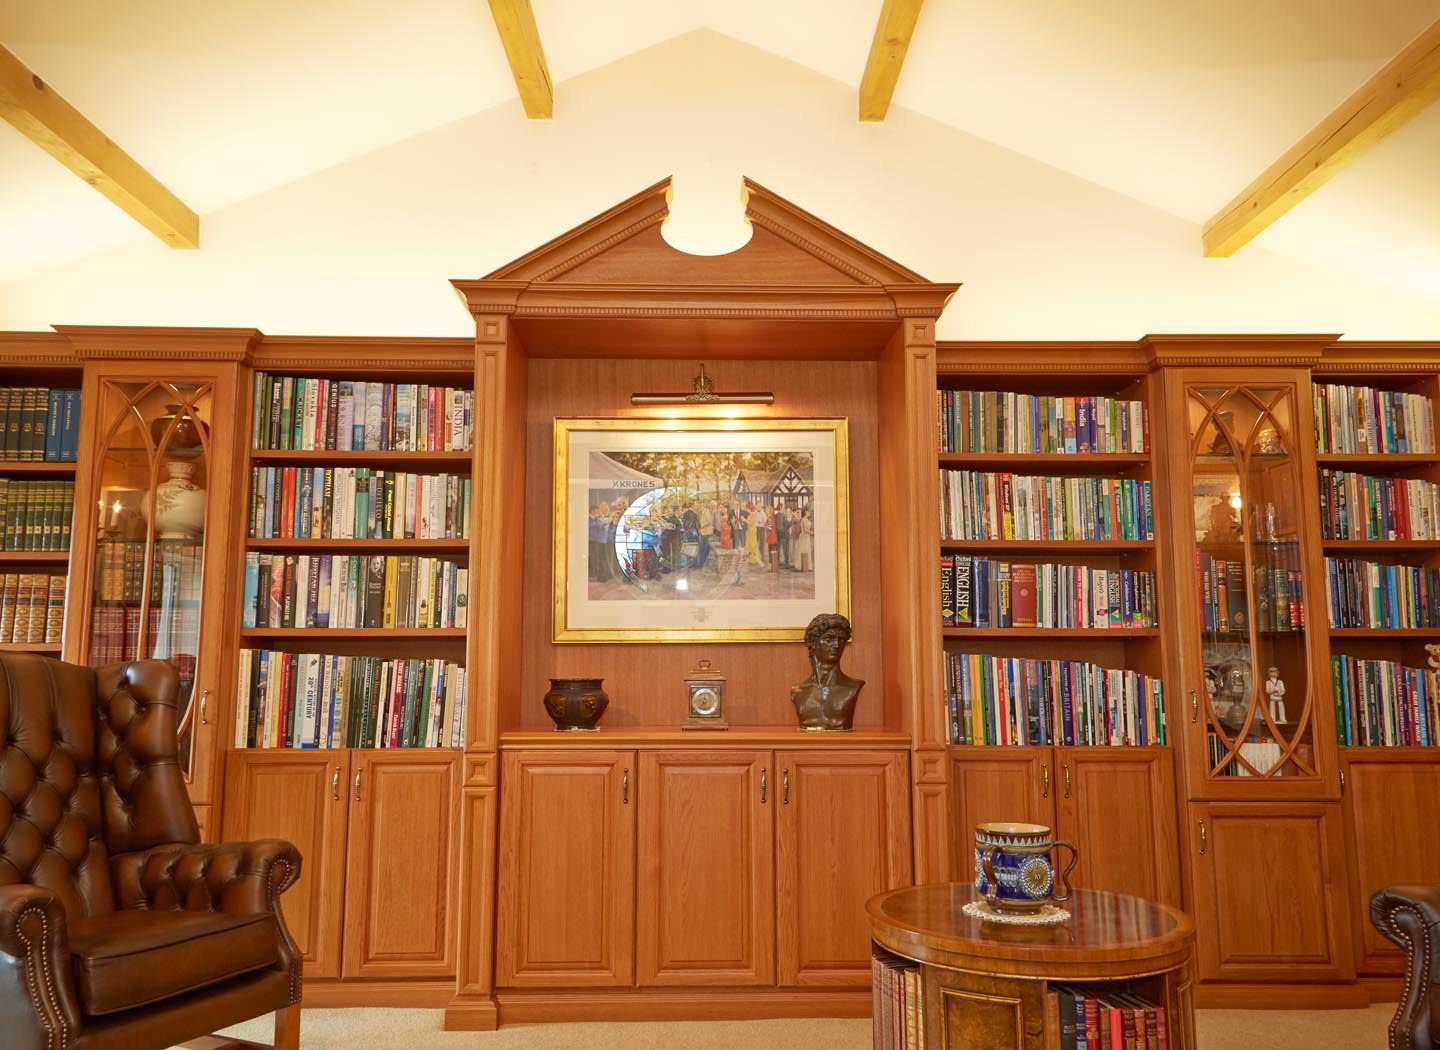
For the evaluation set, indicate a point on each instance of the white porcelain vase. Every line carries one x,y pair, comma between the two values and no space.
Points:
179,503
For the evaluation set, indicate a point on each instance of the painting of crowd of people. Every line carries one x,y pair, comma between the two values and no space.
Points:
701,526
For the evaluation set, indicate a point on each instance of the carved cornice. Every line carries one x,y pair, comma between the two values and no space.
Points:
370,353
811,248
106,342
37,349
1258,351
795,313
600,247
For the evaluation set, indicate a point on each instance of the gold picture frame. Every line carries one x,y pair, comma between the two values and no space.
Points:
668,531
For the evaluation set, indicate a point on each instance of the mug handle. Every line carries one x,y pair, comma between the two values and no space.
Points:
987,866
1065,875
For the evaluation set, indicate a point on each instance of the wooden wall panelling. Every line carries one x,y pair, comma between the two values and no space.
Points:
400,884
842,835
302,797
705,912
567,869
996,783
1117,806
1390,801
650,691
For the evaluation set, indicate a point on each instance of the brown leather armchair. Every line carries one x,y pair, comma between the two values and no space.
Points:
117,928
1410,916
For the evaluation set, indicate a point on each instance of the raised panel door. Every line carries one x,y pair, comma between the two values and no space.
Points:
705,911
842,835
401,880
566,914
1270,892
996,783
1390,803
298,796
1117,806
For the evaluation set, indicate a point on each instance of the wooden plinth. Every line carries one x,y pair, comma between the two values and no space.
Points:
986,986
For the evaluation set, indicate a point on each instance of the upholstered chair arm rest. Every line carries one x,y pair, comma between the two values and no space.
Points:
1410,916
235,877
38,1006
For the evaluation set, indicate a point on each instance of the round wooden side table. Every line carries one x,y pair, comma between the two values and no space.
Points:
987,986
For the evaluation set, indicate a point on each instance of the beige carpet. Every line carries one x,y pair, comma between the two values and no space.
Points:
414,1029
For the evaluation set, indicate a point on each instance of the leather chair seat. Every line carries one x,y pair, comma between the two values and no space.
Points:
128,959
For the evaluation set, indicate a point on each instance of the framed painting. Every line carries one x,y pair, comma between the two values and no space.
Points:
686,530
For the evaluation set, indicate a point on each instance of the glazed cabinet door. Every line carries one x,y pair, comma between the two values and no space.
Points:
1270,892
566,910
996,783
1390,801
706,889
401,879
299,796
842,835
1117,806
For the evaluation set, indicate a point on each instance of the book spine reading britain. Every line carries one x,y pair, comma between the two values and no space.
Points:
976,505
1353,420
996,421
351,590
1379,703
357,503
317,700
38,424
296,413
990,592
1017,701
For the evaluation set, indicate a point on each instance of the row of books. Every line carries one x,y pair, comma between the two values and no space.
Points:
1379,703
980,505
991,592
897,1012
312,700
997,421
1259,755
1101,1019
1017,700
36,514
32,607
357,503
1360,507
341,415
1373,594
39,424
1358,419
351,590
1279,597
172,616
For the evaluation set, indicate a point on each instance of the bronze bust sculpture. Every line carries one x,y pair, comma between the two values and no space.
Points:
826,700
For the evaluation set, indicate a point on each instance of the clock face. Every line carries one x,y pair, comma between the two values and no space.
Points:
704,701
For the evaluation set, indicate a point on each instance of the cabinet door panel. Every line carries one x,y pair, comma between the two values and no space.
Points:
1390,809
567,869
1117,805
402,858
706,890
1270,889
842,836
996,783
300,797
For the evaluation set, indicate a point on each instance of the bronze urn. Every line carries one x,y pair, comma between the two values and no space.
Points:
576,703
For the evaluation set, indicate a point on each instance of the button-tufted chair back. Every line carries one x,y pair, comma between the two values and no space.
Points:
83,777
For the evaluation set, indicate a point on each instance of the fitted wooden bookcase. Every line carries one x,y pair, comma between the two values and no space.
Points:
643,871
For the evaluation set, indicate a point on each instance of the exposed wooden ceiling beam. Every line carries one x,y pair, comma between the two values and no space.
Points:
1387,100
887,55
61,130
516,22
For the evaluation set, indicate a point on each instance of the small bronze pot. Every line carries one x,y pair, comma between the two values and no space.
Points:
188,435
576,703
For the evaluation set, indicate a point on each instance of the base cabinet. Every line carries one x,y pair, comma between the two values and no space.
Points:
377,833
1270,891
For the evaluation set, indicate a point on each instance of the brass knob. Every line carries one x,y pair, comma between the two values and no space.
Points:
1066,767
1204,839
1044,781
335,785
762,785
205,708
785,786
357,785
625,787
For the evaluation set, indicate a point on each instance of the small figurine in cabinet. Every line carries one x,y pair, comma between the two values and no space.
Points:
1275,694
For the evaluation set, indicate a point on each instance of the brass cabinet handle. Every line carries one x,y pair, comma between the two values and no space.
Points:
625,787
1044,781
335,784
762,785
357,785
205,708
1342,781
1066,767
1204,839
785,785
1194,707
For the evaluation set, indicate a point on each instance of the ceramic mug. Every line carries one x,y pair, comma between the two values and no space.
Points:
1013,868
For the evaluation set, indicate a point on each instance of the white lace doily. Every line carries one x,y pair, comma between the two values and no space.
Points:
1049,915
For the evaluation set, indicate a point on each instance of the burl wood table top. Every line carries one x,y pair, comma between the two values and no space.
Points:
1107,935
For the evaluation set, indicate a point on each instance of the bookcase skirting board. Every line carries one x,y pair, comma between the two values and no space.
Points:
1171,597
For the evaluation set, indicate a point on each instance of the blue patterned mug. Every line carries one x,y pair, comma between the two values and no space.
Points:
1013,868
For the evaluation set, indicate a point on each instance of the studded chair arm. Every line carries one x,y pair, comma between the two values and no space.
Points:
1410,917
235,877
38,1006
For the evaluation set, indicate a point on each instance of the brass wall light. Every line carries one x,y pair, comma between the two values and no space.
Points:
703,393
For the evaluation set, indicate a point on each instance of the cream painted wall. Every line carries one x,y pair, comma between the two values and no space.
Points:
368,247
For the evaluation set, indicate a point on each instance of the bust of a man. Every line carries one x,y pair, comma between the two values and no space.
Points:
826,700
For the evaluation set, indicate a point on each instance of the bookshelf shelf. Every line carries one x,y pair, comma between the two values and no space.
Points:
388,633
1378,546
452,547
1385,632
1051,632
1049,546
1376,459
1067,462
30,467
34,557
449,462
39,648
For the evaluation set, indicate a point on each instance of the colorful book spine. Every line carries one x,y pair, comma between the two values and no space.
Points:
324,590
1001,593
993,421
1359,420
979,505
357,503
302,413
1361,507
1379,703
1377,595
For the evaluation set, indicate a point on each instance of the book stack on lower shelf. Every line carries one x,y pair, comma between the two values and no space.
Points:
1091,1018
32,608
898,1010
1380,703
